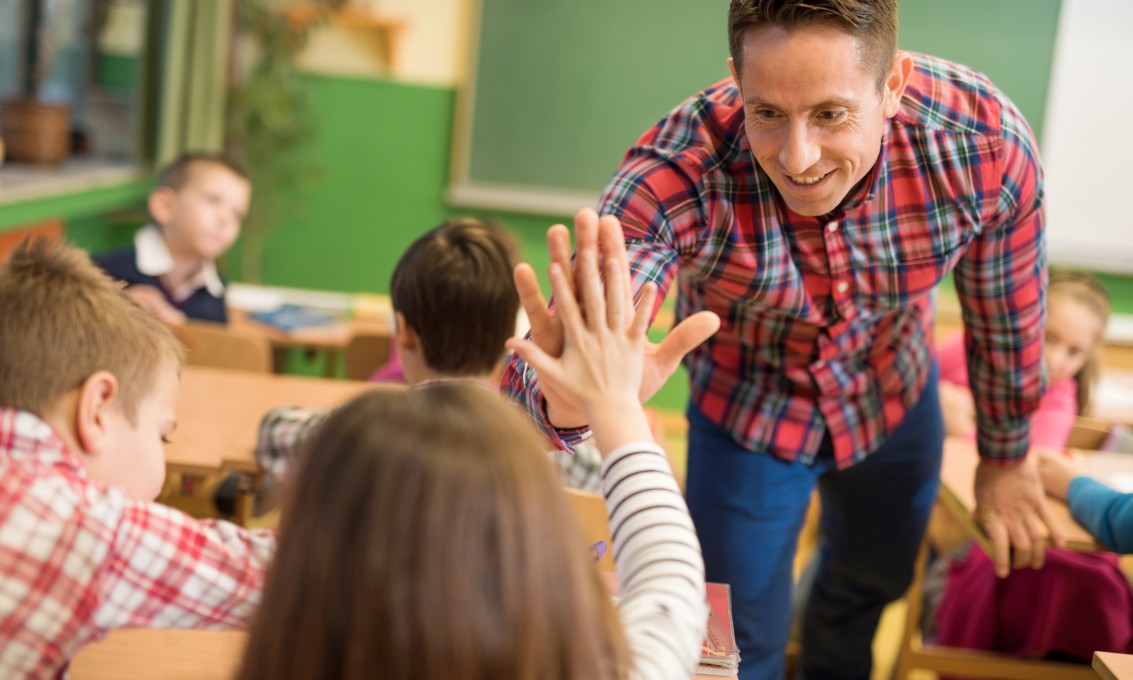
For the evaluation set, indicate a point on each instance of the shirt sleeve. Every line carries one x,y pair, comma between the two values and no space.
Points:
659,567
1104,512
281,432
81,560
1001,283
581,470
656,203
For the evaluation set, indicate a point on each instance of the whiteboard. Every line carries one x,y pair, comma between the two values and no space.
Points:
1087,145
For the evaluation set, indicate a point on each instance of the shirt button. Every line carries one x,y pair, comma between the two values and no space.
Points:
842,286
832,227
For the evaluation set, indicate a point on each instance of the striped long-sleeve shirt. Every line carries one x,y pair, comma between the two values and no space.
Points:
660,571
826,321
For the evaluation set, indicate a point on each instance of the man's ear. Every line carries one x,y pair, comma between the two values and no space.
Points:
161,204
406,338
97,396
896,82
735,76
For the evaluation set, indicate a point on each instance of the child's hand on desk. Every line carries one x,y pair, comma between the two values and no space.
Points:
151,300
1057,471
600,369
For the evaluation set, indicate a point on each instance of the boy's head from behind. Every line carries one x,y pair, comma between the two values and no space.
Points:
78,353
455,300
199,202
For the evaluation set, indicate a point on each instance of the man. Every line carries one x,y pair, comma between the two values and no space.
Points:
813,202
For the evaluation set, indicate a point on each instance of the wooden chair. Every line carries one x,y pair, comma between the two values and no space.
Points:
1088,433
590,509
217,346
365,353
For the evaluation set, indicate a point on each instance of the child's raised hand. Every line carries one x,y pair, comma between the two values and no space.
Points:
600,368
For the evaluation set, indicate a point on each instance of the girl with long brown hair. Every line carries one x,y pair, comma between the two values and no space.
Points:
443,547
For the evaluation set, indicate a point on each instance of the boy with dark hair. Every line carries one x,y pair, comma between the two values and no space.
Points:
455,306
88,394
197,208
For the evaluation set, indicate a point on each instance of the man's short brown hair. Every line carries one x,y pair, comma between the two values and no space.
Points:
454,288
176,173
62,319
872,22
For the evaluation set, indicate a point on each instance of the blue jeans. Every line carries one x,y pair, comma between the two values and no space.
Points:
748,508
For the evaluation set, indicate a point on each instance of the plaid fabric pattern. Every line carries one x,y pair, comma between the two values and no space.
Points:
78,560
826,322
283,429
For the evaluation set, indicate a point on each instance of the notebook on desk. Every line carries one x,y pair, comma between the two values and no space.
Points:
291,318
718,652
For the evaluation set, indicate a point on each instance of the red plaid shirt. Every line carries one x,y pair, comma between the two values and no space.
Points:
78,559
827,321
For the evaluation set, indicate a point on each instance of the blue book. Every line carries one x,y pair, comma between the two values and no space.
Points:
288,318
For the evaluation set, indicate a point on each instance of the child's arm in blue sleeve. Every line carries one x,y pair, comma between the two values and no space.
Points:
1103,511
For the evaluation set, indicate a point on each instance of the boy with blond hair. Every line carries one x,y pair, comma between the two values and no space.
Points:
88,394
196,209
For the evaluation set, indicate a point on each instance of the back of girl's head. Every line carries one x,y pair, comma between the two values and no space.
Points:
1084,290
426,536
454,286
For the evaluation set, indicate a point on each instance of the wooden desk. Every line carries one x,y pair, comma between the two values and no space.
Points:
219,413
1113,398
957,479
142,654
1113,666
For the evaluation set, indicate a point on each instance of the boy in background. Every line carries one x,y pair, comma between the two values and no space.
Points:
197,207
88,394
455,306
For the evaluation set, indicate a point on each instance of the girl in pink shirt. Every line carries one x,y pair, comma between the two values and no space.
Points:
1077,312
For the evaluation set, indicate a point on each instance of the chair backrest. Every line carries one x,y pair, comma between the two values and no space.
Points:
365,353
217,346
1088,433
591,512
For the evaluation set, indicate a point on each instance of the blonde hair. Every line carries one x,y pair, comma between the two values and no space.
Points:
62,319
1088,292
426,535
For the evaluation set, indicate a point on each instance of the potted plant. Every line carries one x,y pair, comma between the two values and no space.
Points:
36,131
271,127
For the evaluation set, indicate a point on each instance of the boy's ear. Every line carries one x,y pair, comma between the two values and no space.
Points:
161,204
404,335
96,397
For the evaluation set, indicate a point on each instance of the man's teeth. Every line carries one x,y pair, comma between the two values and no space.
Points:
806,180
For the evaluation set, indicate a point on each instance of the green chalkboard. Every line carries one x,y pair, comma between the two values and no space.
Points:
561,89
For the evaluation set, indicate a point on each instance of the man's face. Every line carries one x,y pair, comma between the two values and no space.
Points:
813,115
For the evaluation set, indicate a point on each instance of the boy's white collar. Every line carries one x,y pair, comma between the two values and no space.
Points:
154,259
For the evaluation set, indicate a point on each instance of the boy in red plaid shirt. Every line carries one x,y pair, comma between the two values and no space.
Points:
88,394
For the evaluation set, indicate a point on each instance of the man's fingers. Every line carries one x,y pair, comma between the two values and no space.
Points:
686,335
1038,533
1000,546
1021,545
1057,538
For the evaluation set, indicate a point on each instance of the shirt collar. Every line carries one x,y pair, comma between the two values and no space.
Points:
154,259
29,439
